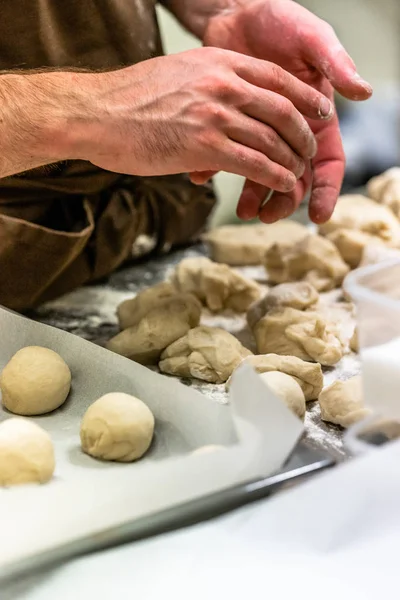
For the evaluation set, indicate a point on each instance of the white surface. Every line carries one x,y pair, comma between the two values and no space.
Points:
335,537
381,378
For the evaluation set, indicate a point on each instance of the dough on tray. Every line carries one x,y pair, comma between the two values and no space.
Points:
241,245
131,311
217,286
35,381
162,325
363,214
207,353
117,427
26,453
385,189
299,294
342,402
351,244
308,375
288,390
314,259
292,332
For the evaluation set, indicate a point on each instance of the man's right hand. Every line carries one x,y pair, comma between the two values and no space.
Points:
202,110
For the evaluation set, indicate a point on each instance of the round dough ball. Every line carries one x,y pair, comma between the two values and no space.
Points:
117,427
288,390
35,381
26,453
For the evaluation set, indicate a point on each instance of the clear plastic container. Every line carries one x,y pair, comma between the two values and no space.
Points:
376,291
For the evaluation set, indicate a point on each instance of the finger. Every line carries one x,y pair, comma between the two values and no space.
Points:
328,172
280,114
282,206
251,164
256,135
251,198
201,177
323,50
268,76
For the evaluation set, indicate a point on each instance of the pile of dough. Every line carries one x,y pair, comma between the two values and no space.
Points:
308,375
26,453
131,311
363,214
217,286
117,427
314,259
162,325
292,332
35,381
300,295
385,188
288,390
342,402
246,244
208,353
352,243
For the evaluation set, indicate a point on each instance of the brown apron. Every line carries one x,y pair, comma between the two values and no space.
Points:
71,223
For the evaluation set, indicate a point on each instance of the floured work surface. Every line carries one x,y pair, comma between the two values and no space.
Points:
90,313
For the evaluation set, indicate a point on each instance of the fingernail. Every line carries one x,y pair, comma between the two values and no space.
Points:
325,109
358,79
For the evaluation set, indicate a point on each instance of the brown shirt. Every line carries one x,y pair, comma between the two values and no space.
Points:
71,223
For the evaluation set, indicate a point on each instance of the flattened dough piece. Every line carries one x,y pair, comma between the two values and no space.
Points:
385,189
131,311
246,244
314,259
342,402
358,212
288,390
299,294
162,325
308,375
217,286
207,353
307,335
351,244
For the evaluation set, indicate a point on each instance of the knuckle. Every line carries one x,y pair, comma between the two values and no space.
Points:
217,114
278,75
285,109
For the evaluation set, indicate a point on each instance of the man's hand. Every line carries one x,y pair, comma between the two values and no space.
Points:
283,32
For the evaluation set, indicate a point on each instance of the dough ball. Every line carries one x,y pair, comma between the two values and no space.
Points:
354,342
342,402
292,332
288,390
26,453
351,244
117,427
246,244
314,259
363,214
300,295
308,375
133,310
385,189
161,326
207,353
35,381
217,286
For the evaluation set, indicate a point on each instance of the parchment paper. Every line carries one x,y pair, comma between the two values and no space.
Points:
257,433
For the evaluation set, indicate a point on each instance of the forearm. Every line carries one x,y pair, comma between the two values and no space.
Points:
195,14
40,114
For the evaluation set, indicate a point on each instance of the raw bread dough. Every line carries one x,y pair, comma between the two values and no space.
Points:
308,375
385,189
354,342
117,427
313,259
208,353
300,295
246,244
162,325
351,244
292,332
217,286
35,381
342,402
288,390
358,212
26,453
133,310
